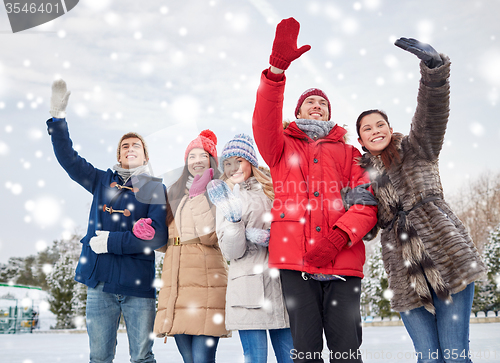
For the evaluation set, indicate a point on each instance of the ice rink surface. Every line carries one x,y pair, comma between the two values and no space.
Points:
380,344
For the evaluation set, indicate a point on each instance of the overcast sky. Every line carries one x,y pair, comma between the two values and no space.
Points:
169,69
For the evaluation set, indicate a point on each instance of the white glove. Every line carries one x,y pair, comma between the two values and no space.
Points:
99,243
59,99
258,236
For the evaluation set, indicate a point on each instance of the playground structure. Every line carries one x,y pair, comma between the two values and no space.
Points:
18,315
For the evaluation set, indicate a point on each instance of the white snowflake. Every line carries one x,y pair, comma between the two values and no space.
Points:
274,273
267,217
218,319
79,322
41,245
334,47
47,268
210,342
16,189
388,294
477,129
157,283
258,269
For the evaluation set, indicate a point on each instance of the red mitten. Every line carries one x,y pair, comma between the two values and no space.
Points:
200,183
285,44
142,229
325,250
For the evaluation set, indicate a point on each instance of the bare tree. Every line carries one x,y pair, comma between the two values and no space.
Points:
477,204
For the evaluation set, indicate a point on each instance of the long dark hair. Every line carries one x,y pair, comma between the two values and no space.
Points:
390,154
176,191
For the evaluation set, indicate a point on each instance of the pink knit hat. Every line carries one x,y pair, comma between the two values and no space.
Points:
206,141
312,92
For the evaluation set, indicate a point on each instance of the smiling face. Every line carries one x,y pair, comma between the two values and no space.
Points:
198,161
237,169
314,108
374,133
132,153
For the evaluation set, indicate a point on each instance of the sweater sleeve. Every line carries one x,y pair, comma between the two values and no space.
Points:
232,239
359,219
126,243
78,169
267,122
433,108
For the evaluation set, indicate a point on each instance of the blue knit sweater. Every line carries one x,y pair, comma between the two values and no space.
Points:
128,267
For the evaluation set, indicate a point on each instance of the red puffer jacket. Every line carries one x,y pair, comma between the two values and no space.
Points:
307,178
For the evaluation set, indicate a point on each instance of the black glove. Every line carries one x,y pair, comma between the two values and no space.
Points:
359,195
424,51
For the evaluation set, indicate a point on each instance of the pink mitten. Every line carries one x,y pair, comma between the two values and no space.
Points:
200,183
285,44
142,229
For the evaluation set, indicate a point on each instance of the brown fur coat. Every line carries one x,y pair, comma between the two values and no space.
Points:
423,241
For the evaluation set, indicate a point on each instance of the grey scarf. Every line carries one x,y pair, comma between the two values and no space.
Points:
315,129
127,173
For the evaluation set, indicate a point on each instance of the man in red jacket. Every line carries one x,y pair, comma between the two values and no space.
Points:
314,242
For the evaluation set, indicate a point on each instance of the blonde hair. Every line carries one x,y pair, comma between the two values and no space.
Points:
261,175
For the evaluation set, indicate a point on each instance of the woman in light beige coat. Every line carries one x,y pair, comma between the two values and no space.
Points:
192,300
254,300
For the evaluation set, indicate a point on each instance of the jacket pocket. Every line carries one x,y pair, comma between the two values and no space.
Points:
87,261
288,217
136,273
248,291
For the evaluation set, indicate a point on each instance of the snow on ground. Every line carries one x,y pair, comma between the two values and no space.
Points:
380,344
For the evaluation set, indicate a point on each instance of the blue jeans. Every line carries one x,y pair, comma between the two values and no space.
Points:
103,316
254,344
445,336
197,348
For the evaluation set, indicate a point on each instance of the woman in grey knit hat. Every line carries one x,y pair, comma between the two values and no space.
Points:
254,300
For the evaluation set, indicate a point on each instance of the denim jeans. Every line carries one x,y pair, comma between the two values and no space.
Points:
103,316
443,337
197,348
254,344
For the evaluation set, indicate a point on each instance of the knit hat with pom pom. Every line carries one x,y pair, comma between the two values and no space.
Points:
240,146
207,141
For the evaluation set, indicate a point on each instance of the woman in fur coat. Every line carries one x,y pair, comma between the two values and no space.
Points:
430,258
193,296
254,300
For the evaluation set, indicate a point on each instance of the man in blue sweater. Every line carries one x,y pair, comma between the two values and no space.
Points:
117,267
